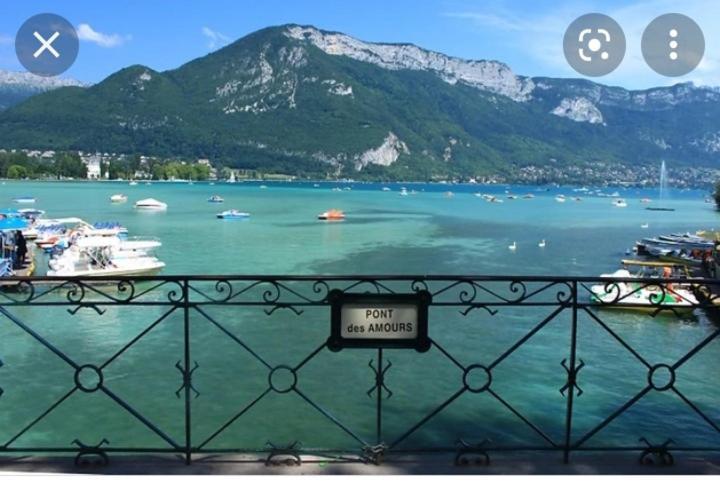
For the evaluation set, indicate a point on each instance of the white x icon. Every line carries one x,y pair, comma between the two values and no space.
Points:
45,44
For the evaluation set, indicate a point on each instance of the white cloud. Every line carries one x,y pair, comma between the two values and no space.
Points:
86,32
538,37
215,38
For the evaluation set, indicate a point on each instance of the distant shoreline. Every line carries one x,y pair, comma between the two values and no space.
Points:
303,182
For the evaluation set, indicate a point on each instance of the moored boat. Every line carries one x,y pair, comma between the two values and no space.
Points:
644,295
151,204
118,198
215,199
233,215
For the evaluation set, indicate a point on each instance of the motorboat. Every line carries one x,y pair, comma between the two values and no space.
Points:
118,198
620,203
106,256
560,198
151,204
332,215
30,213
24,200
385,188
233,215
49,233
652,296
403,191
133,183
215,199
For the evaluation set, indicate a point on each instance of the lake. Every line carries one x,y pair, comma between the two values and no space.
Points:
384,233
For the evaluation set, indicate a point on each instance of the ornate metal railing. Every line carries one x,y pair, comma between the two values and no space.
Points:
202,365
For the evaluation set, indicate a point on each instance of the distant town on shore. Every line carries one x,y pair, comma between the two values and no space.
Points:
96,166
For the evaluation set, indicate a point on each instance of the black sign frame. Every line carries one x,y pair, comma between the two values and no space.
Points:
421,299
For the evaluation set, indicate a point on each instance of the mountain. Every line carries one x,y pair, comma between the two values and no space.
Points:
297,99
18,86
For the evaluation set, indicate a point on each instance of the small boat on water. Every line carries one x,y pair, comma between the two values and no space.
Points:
332,215
560,198
30,212
528,196
151,204
24,199
644,200
118,198
98,256
133,183
620,203
385,188
645,296
215,199
233,215
403,191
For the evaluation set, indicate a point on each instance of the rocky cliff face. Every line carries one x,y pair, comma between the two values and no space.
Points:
18,86
492,76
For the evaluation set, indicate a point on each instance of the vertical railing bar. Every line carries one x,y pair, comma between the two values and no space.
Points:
188,383
571,375
379,396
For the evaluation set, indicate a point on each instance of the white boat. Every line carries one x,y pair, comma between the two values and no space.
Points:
31,212
641,296
620,203
560,198
151,204
106,256
403,191
118,198
385,188
233,215
215,199
133,183
24,199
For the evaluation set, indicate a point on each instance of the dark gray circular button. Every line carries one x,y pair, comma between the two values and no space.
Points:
46,44
594,44
673,45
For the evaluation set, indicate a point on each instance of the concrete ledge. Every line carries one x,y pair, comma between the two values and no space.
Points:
515,463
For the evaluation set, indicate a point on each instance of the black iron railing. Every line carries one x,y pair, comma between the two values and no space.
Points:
205,363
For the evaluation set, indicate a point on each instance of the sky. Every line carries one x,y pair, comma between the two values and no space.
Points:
525,34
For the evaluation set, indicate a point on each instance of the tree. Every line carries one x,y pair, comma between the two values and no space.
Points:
16,171
69,165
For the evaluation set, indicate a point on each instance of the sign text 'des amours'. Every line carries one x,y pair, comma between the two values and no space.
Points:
379,321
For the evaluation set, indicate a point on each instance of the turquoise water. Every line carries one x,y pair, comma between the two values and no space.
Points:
426,233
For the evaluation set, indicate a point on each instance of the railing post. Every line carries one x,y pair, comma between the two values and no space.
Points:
571,374
188,386
379,396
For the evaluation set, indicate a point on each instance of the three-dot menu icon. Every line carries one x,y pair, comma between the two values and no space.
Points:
673,45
